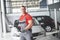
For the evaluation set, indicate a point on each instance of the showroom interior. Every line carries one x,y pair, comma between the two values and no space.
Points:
45,13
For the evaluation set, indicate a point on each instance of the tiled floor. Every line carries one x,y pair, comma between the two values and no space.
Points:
40,37
50,37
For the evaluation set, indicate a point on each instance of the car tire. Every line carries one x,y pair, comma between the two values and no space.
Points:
48,28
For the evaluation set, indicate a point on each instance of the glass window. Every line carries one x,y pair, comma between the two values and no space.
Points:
43,4
39,18
11,5
16,4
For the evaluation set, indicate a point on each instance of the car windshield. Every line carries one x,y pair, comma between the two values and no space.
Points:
35,21
38,18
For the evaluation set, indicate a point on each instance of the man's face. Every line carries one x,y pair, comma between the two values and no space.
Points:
23,9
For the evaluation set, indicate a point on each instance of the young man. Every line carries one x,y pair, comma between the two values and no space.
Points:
25,24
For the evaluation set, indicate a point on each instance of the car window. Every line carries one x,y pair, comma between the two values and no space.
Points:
38,18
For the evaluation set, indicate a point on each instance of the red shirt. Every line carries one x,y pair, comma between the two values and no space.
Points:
27,16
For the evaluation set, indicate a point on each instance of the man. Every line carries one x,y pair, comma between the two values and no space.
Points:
25,24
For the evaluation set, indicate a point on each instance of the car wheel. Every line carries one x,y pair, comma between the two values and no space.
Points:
48,28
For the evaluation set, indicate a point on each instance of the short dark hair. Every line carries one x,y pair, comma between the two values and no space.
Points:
23,6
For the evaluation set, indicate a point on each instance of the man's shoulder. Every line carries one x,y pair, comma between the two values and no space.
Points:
28,15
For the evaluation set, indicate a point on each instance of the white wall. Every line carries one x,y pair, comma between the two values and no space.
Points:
32,11
55,1
13,17
49,2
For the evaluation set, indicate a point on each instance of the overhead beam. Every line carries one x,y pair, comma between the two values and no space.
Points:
55,5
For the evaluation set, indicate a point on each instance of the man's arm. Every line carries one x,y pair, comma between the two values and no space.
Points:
29,26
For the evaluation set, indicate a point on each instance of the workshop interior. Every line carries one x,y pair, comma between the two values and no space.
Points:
45,15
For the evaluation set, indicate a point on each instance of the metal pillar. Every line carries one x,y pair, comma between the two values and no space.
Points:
0,23
55,11
3,17
0,26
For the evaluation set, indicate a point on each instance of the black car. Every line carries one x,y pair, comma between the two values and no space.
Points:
46,22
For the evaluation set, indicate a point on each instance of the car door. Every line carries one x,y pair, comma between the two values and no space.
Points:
36,27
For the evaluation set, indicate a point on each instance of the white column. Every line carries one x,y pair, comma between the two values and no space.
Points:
0,22
0,26
55,12
3,17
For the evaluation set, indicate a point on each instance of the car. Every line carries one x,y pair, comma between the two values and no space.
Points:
36,28
47,23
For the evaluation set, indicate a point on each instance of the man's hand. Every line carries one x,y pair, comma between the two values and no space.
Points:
23,31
